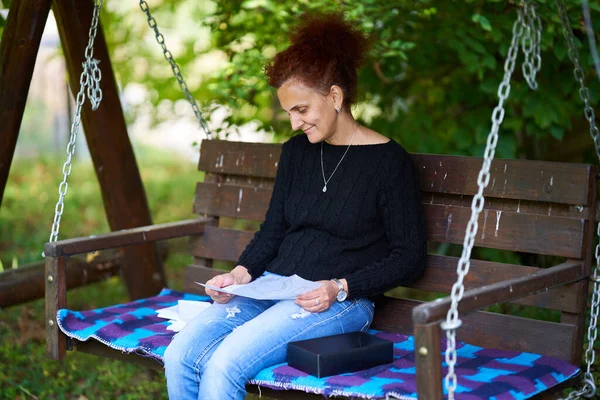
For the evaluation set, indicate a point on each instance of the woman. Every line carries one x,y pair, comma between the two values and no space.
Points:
345,212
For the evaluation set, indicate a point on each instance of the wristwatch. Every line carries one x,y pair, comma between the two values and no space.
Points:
341,294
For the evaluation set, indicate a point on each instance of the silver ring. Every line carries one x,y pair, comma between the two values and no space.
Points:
316,301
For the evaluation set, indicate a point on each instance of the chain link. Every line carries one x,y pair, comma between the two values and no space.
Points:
530,43
176,70
526,32
588,388
90,78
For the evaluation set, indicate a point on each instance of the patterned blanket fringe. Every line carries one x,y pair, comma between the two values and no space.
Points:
335,393
140,351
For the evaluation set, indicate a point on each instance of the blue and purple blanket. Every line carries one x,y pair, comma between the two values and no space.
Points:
482,373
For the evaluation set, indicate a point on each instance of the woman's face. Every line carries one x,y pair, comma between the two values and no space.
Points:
309,110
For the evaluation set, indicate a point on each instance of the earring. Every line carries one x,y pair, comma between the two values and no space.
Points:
338,109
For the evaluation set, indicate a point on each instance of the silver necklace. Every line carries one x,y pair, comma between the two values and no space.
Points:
326,181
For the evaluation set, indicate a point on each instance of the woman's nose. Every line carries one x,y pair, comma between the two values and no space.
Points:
296,123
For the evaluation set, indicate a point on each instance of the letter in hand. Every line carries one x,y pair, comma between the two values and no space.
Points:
320,299
220,281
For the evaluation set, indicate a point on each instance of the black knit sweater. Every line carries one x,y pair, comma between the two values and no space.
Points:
367,227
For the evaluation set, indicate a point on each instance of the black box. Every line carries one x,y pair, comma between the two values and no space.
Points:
338,354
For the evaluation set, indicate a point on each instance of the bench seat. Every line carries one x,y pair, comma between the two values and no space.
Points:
538,221
134,328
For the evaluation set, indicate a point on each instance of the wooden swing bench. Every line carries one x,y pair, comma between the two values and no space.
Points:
539,208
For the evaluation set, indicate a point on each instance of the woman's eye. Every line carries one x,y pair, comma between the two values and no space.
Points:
302,111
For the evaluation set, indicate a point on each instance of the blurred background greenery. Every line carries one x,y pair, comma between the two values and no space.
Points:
430,83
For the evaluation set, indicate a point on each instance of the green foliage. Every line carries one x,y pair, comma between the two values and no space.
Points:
430,83
32,191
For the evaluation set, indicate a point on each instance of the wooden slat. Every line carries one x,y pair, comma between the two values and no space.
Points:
516,231
509,205
220,243
221,196
244,181
555,182
564,183
56,299
233,201
239,158
488,330
507,231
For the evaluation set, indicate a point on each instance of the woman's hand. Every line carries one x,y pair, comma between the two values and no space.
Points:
320,299
220,281
238,276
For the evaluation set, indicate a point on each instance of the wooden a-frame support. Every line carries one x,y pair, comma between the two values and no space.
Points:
123,193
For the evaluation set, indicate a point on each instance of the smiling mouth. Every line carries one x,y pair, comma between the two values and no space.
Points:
307,130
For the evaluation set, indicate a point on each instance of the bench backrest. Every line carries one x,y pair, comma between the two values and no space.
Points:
538,208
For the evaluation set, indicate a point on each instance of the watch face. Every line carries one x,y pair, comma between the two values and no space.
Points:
341,296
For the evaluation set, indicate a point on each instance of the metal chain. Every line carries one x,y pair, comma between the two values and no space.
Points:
530,43
94,75
90,78
528,22
176,70
589,388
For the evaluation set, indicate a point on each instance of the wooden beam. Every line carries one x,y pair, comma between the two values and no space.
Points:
56,298
28,282
579,319
127,237
428,361
114,161
18,50
501,292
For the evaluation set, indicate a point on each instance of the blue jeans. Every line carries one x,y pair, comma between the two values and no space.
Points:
214,356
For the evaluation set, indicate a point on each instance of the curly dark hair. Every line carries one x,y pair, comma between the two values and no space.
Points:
326,50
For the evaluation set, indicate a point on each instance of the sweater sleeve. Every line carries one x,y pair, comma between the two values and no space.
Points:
400,207
264,246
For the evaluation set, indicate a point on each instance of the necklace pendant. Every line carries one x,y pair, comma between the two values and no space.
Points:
324,188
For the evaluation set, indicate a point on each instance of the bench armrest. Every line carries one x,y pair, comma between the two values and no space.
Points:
125,237
501,292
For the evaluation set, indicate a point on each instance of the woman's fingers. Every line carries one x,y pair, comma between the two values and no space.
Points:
219,281
315,301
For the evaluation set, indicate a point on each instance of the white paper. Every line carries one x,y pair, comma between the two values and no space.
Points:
270,287
169,312
176,325
189,309
181,313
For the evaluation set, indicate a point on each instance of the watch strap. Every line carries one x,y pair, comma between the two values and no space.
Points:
339,284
